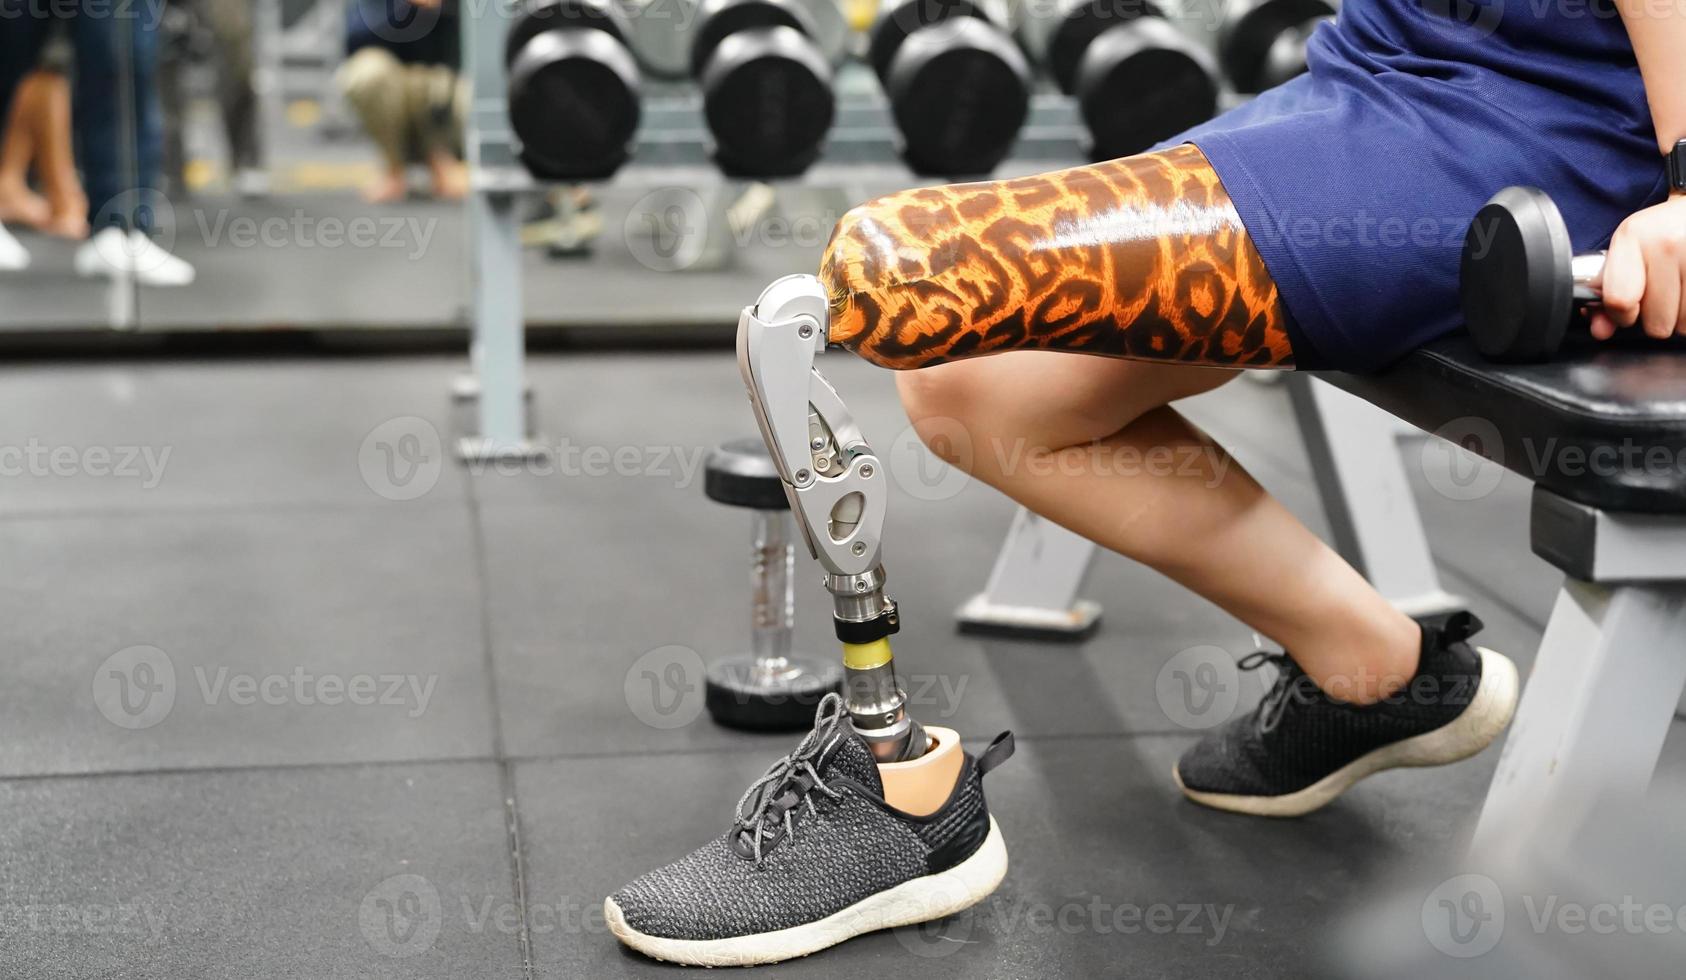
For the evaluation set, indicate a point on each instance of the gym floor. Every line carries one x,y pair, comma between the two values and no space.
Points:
545,743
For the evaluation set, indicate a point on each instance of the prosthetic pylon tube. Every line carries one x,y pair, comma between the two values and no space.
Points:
838,497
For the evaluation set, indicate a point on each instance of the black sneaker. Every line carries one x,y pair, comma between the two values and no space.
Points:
1299,748
814,857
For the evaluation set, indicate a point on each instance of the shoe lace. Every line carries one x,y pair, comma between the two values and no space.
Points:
767,806
1282,691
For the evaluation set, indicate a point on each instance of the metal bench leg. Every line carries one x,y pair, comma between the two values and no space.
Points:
1032,591
1354,451
1594,713
494,252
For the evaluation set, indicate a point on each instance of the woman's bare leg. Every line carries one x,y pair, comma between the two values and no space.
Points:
55,161
17,150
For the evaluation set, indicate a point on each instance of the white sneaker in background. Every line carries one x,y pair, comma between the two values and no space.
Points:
251,183
113,252
13,256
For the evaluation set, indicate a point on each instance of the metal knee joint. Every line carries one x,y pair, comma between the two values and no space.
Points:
838,496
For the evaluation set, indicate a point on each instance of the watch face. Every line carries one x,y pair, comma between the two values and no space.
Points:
1677,166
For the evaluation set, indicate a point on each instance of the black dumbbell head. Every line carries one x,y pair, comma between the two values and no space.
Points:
898,21
768,101
737,695
1080,23
1141,83
959,94
539,16
573,88
1252,28
741,473
720,19
1517,288
573,103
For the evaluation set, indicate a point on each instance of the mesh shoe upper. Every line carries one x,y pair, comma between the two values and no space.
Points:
842,844
1298,735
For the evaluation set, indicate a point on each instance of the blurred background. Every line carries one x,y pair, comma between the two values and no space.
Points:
282,142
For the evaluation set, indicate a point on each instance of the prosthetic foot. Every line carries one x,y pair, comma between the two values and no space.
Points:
873,821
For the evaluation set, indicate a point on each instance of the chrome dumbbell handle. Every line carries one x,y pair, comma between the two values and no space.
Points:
772,592
1587,272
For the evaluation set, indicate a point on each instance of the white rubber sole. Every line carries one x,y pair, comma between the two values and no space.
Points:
1487,715
920,900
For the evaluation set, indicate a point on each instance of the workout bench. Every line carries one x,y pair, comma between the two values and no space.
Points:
1602,433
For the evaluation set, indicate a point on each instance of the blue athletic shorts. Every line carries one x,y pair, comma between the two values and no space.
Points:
1358,179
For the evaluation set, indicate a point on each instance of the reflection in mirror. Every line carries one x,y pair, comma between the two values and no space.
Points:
210,164
312,160
79,154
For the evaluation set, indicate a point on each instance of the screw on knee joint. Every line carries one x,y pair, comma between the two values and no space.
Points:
864,618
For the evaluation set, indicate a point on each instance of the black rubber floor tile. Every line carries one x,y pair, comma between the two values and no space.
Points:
225,434
355,872
226,639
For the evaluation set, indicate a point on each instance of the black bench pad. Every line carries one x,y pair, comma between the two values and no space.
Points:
1602,425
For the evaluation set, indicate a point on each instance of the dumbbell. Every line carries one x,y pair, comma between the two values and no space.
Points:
1137,78
767,689
959,88
573,88
766,85
662,31
1261,43
1520,278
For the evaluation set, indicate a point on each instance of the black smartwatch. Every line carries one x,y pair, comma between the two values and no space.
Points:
1677,168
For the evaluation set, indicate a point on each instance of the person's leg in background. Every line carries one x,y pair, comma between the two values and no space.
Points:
1143,259
120,136
20,50
372,81
18,149
434,97
230,22
55,145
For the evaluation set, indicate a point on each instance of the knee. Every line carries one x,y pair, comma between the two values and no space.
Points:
941,402
369,74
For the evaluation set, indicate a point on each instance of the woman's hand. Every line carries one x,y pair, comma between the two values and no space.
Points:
1644,273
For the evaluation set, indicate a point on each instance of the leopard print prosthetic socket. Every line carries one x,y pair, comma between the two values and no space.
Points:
1143,257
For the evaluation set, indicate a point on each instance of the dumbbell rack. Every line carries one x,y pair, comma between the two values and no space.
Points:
672,151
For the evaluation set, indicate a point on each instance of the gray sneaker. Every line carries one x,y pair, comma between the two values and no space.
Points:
815,856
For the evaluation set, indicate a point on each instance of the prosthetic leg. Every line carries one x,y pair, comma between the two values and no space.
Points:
838,496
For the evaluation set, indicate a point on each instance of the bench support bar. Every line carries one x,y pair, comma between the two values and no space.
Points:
1593,715
1032,591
